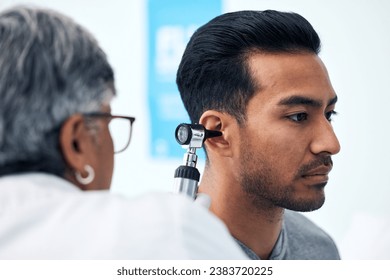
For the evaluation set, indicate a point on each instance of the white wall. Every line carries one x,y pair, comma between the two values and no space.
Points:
356,43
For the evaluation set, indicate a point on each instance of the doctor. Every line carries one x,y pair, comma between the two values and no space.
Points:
56,157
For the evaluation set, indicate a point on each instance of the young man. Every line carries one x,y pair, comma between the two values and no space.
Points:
256,77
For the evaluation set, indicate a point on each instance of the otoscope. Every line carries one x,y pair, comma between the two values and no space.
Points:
187,175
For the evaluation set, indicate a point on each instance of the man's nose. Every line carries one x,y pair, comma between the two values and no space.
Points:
325,139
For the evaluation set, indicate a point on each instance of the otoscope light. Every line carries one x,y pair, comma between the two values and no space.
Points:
183,134
194,135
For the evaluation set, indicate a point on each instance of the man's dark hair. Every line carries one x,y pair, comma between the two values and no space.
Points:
214,73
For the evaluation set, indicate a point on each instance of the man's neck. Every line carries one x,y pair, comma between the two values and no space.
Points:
258,229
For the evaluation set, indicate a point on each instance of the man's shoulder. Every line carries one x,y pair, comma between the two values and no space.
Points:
307,239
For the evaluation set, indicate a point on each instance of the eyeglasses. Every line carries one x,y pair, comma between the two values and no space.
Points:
120,129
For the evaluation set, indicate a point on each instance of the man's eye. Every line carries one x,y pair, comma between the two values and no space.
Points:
330,114
298,117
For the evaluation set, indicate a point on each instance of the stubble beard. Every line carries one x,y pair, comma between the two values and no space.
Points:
262,185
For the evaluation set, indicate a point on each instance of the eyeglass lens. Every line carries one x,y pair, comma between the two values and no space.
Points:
120,130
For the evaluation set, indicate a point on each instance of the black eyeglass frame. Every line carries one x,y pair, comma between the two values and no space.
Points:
108,115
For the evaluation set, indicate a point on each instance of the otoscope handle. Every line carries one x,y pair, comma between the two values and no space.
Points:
186,180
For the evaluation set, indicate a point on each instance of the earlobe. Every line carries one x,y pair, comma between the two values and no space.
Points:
215,120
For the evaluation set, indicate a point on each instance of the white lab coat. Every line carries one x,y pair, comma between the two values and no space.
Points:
45,217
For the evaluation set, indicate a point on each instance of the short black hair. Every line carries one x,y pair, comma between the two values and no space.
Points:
214,74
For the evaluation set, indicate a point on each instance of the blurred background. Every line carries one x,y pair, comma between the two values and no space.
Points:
144,41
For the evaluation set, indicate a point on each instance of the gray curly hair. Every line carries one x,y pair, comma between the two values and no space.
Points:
50,69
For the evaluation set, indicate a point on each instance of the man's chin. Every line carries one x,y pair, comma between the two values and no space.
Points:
306,204
309,206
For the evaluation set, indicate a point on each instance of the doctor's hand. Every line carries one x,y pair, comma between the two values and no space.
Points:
203,199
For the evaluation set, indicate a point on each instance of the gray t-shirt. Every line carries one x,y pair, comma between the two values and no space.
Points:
299,239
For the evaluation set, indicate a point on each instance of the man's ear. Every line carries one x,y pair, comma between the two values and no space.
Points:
225,123
73,144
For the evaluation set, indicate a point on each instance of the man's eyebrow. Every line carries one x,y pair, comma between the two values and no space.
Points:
332,101
303,100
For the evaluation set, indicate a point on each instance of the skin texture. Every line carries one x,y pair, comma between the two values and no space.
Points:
280,156
81,146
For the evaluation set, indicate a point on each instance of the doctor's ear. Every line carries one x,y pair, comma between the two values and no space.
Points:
225,123
73,142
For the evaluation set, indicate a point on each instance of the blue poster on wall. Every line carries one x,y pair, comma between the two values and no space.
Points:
171,24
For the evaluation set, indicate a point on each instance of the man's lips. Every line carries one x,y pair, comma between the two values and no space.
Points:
319,171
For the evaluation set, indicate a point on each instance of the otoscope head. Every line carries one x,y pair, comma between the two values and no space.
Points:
194,135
